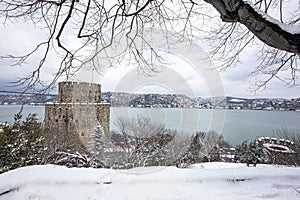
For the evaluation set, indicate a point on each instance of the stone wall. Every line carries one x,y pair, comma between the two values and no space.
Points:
79,92
278,151
77,113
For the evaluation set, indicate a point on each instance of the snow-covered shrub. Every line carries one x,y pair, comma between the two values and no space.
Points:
139,142
203,147
96,147
74,156
70,159
192,154
96,144
177,148
249,153
21,144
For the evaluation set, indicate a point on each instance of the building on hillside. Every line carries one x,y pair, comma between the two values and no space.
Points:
78,111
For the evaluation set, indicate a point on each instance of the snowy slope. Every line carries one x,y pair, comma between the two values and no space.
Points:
202,181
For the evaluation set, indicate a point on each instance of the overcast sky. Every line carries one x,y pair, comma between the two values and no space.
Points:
179,77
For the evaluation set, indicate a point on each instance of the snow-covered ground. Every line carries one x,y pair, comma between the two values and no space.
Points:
202,181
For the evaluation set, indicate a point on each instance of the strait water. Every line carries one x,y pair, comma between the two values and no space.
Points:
235,125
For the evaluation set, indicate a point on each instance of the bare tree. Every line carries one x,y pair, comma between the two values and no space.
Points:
177,148
74,27
291,135
141,142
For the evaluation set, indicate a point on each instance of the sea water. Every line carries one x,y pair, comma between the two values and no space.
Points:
235,125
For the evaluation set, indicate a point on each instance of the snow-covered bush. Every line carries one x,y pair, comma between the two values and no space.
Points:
203,147
96,144
96,147
77,156
192,155
73,159
21,144
249,153
177,149
139,142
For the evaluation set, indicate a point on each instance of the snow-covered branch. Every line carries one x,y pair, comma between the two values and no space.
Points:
269,30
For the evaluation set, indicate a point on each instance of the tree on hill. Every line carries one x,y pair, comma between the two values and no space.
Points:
71,28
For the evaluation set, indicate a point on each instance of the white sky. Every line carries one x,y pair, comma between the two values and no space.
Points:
177,78
180,77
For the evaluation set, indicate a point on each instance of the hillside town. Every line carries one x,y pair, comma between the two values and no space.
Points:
166,101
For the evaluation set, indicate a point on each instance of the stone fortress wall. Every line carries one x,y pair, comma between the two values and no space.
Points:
278,151
79,92
78,111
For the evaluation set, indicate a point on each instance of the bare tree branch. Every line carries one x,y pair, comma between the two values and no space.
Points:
268,30
101,24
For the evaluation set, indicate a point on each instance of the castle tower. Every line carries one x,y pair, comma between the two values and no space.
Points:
73,92
78,111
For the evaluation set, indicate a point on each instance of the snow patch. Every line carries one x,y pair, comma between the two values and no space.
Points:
278,148
213,181
290,28
237,100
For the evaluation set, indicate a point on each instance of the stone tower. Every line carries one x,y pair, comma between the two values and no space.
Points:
78,111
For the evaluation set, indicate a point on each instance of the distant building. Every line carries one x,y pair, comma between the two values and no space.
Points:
77,112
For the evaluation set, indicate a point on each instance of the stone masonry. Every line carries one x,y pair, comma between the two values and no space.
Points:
78,111
278,151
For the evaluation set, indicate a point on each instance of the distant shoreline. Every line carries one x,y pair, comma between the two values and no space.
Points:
118,99
217,108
